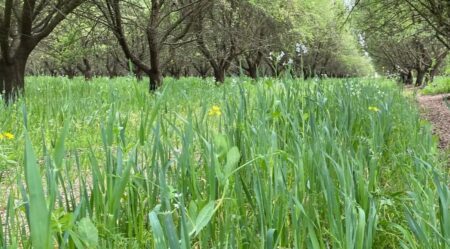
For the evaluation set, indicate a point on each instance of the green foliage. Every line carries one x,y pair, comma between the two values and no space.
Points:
438,86
398,40
280,163
88,234
38,216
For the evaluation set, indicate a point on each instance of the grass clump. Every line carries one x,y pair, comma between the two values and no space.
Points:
439,85
278,163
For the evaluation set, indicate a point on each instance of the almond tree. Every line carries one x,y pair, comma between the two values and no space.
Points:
436,14
230,29
163,22
403,41
23,24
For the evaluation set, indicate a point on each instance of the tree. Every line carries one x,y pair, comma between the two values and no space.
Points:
218,48
257,37
400,41
23,24
436,14
74,45
166,24
246,32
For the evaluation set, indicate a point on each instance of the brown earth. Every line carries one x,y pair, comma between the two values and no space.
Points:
436,111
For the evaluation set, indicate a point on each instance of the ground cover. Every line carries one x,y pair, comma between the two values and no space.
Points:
277,163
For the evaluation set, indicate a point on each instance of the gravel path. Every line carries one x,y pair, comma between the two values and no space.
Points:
437,112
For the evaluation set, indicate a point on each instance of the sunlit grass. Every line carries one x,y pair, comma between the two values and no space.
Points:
278,163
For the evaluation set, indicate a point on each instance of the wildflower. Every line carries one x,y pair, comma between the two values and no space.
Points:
374,109
298,48
289,62
301,49
6,135
280,56
215,111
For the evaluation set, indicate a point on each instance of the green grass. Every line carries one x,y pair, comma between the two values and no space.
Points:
287,164
440,85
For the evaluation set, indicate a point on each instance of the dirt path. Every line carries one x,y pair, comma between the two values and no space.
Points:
437,112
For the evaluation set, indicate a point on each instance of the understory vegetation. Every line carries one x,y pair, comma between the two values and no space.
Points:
224,124
269,163
439,85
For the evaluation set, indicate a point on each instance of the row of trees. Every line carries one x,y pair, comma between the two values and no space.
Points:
23,24
156,38
406,38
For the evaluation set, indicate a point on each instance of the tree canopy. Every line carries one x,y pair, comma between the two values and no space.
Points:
158,38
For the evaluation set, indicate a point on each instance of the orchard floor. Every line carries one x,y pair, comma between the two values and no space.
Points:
437,112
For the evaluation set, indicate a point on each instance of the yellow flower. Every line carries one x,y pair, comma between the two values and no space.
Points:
8,135
374,109
215,111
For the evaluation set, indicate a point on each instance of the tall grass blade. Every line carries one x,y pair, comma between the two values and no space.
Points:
39,218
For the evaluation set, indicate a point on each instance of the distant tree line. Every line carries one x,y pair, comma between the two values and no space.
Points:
216,38
409,38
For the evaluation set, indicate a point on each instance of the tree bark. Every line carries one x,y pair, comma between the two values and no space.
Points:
12,78
112,67
156,80
51,69
202,69
69,72
138,73
219,74
406,77
434,70
252,71
86,70
420,77
155,73
22,27
253,62
174,71
409,78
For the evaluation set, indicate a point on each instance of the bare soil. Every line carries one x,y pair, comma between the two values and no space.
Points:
437,112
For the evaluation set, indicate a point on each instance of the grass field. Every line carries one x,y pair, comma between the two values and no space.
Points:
278,163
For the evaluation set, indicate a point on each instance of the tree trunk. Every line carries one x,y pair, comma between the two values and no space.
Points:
202,70
406,78
156,80
219,74
69,72
252,71
409,78
155,73
186,72
12,79
51,69
112,72
138,72
86,69
432,75
253,63
434,70
112,67
306,73
420,77
174,71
